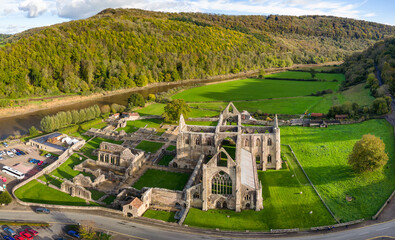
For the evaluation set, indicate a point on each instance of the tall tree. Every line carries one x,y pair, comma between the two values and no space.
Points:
174,109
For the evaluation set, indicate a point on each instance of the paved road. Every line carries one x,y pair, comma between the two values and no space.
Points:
135,230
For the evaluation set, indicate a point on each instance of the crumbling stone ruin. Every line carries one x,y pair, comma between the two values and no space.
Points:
225,159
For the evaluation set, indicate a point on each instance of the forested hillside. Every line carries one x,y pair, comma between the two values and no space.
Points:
376,62
124,48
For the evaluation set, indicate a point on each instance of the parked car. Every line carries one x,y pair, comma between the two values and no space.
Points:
48,155
73,233
13,150
31,231
19,238
9,231
1,158
3,178
8,238
26,235
9,153
5,144
20,151
40,163
43,210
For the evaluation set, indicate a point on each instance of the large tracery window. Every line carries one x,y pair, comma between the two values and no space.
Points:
221,184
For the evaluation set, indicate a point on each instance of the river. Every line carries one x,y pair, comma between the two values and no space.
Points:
20,124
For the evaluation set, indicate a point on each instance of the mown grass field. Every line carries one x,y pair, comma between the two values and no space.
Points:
252,89
36,192
94,144
162,179
284,206
148,146
160,215
307,75
323,154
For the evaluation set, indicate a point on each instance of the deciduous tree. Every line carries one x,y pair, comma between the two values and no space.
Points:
174,109
368,154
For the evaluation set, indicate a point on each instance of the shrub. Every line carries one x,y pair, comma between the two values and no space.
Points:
137,99
5,198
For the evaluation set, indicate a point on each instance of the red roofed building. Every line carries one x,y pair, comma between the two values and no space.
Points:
317,115
135,208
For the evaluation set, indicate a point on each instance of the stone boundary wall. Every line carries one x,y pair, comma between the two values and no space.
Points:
291,230
166,197
61,159
192,178
346,224
213,119
322,200
384,205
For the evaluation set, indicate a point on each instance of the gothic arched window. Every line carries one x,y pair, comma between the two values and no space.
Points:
221,184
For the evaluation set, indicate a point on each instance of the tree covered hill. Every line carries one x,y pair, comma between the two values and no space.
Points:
378,61
123,48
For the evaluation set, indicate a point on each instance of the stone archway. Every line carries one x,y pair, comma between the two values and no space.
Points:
218,204
248,205
225,205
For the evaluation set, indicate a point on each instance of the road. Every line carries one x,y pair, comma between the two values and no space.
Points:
133,229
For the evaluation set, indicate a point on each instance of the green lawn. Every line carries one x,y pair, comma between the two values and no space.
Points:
252,89
94,144
284,206
36,192
96,195
160,215
164,161
148,146
109,199
133,126
152,109
51,180
162,179
202,123
358,94
306,75
323,153
171,148
66,169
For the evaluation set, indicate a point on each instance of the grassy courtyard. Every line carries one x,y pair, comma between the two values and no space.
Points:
93,144
36,192
160,215
148,146
66,169
162,179
165,160
323,153
284,206
133,126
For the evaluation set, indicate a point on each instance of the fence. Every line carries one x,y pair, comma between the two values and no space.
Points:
312,183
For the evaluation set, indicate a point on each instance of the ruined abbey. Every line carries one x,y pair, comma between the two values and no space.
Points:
225,159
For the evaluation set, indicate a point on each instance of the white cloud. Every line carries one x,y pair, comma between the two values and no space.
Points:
34,8
370,15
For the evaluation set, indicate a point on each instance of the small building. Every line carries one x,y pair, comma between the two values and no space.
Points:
135,208
130,116
341,116
317,115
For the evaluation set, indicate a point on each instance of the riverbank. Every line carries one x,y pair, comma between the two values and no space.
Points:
69,100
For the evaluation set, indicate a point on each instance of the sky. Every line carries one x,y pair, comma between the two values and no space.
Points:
19,15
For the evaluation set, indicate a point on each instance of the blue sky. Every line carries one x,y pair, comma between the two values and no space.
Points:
17,16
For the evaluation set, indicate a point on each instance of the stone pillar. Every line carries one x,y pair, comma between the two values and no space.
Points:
205,188
278,149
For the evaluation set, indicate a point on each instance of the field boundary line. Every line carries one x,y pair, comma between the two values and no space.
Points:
333,215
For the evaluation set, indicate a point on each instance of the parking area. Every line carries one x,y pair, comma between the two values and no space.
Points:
23,158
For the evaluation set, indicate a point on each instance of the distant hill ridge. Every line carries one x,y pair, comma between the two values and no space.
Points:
123,48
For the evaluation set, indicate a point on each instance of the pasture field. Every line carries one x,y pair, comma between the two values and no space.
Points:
162,179
148,146
253,89
284,206
160,215
152,109
323,153
36,192
307,75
